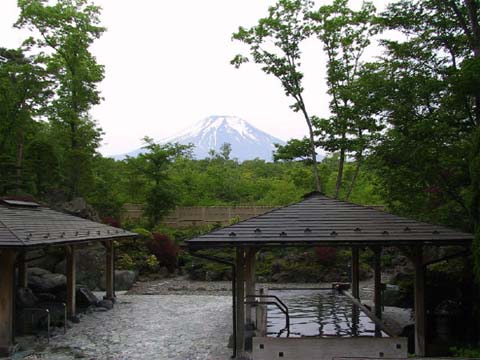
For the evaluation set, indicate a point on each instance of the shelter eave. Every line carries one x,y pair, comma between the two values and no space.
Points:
300,242
62,242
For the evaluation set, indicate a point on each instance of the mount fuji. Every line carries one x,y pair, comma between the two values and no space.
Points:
247,141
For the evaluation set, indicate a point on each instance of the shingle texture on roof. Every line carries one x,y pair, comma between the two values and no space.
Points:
322,220
28,226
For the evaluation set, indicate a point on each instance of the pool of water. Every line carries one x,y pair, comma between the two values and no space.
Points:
321,313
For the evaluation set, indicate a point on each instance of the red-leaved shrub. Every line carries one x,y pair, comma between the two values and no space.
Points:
110,220
326,254
164,249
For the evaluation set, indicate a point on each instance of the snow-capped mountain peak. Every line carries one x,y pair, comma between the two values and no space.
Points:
213,124
247,142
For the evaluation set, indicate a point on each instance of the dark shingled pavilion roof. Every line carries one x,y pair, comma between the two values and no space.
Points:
322,221
27,224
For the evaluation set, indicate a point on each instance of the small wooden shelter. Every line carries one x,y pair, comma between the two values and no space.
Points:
28,226
322,221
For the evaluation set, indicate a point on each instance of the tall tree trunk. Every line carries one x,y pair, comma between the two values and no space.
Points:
313,151
341,164
73,166
355,176
318,185
475,199
74,161
19,161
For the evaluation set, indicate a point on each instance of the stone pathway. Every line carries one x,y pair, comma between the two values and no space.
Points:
170,327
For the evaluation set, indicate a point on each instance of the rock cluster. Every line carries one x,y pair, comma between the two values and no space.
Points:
79,207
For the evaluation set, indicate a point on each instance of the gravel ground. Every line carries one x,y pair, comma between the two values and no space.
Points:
173,327
183,286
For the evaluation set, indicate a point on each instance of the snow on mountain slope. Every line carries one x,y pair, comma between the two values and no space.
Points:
247,141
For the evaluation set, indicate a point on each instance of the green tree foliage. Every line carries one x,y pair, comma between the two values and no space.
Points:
41,155
225,151
67,29
24,92
294,149
107,195
352,128
275,44
220,181
429,157
345,34
161,194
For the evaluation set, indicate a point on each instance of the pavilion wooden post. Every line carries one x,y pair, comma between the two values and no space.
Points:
377,252
7,289
355,272
71,280
240,293
22,270
109,270
420,340
250,282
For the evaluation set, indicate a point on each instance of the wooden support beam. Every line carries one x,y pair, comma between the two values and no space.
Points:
355,272
71,280
240,293
420,338
22,270
355,319
250,282
7,289
377,253
109,271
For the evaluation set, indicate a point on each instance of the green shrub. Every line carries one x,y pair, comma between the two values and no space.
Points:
152,262
144,234
125,262
465,352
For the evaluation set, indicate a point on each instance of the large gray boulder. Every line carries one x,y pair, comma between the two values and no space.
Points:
79,207
90,266
106,304
25,298
85,298
46,258
124,280
43,281
37,271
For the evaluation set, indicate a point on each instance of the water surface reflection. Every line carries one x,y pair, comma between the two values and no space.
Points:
319,313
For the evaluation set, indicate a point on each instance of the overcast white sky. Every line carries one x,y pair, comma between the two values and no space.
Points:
168,66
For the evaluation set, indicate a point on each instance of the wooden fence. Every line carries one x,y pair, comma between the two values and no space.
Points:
199,215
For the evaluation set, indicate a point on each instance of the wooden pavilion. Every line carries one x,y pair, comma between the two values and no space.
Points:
26,226
322,221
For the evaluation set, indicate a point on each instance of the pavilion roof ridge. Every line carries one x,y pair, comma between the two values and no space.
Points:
318,219
24,226
375,209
